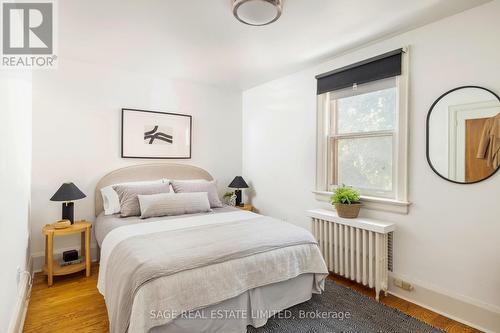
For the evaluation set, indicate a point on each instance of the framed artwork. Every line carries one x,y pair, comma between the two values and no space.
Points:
155,135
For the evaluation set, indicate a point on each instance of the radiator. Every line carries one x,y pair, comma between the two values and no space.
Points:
357,249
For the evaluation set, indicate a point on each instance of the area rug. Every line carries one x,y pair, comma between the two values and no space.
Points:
340,309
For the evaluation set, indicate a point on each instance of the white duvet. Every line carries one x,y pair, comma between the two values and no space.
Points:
143,281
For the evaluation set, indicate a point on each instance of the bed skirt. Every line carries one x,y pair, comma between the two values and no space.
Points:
253,308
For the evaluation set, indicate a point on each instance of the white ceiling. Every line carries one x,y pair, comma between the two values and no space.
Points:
200,40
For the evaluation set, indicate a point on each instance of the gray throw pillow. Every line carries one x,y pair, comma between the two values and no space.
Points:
189,186
129,203
169,204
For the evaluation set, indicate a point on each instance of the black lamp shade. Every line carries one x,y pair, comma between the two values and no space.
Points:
68,192
238,182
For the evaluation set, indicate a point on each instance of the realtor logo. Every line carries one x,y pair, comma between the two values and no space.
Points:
28,34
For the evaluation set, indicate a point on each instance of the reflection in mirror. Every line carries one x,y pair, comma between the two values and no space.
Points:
463,135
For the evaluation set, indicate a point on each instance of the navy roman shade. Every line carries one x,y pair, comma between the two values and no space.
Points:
377,68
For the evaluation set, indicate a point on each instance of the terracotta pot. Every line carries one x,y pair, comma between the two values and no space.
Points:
348,211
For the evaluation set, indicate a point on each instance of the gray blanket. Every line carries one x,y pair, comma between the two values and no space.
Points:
140,259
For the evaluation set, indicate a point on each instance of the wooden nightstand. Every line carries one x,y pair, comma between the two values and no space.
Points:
52,267
245,207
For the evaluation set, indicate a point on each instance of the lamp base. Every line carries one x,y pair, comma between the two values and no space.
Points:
238,198
68,211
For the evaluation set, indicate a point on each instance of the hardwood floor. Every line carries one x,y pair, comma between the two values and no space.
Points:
73,304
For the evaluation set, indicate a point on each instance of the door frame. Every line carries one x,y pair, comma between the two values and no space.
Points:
458,115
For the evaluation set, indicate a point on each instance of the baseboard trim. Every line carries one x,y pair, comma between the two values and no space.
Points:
482,317
17,320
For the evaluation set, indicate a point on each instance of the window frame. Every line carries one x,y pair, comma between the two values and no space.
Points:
397,203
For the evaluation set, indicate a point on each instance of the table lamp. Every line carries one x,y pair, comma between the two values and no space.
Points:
238,183
68,192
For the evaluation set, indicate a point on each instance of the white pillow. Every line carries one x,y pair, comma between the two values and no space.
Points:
110,199
169,204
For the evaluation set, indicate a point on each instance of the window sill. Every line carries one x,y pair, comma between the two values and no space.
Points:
386,205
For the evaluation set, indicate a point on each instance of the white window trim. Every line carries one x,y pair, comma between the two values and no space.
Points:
398,205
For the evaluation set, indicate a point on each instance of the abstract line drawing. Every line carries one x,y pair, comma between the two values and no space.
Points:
153,135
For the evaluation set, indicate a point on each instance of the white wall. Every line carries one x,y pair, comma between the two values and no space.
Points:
15,173
449,241
76,132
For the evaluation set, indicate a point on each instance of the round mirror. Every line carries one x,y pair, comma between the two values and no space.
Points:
463,135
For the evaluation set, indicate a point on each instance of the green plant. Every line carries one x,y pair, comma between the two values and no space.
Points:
345,195
228,194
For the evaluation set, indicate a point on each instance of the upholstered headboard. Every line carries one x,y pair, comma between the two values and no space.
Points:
147,172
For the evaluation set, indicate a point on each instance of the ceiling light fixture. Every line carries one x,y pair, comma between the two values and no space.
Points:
257,12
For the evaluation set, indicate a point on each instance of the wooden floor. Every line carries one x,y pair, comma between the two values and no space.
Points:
73,304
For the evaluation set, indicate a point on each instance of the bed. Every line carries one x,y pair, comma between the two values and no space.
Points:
209,272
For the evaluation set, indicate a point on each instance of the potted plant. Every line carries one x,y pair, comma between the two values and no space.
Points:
346,201
230,198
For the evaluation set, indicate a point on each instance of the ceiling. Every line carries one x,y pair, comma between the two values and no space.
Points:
200,40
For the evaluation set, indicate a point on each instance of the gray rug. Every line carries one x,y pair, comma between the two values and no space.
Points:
366,315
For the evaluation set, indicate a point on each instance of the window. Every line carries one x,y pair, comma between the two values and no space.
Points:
361,137
362,130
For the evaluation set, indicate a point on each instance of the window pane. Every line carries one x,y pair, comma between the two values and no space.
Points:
366,163
373,111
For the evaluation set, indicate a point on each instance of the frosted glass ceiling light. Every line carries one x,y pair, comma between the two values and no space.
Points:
257,12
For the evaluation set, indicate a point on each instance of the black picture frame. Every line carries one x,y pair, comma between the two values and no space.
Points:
157,112
427,143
